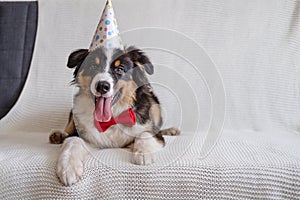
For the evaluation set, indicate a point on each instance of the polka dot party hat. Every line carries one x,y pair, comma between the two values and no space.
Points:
107,33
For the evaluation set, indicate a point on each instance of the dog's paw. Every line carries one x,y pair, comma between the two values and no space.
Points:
170,131
142,158
144,149
57,136
69,169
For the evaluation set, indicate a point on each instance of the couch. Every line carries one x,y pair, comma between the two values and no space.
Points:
227,74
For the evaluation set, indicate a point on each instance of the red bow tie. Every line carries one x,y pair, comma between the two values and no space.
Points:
126,118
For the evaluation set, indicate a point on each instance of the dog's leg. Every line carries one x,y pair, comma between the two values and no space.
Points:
58,136
155,113
70,162
170,131
145,146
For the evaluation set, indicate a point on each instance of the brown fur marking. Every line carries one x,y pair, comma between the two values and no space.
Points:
84,81
128,92
117,63
70,126
57,137
139,65
155,114
97,60
170,131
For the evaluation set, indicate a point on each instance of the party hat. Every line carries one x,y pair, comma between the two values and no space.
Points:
107,33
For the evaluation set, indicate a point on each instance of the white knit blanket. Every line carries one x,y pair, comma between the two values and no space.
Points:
255,46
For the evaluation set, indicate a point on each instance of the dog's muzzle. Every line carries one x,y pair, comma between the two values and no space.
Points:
102,87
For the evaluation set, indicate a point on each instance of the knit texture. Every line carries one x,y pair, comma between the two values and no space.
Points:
255,47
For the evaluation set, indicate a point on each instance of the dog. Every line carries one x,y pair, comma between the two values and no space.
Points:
112,86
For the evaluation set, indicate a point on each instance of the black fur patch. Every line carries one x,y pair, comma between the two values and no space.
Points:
76,58
87,62
90,64
145,98
160,138
138,56
74,131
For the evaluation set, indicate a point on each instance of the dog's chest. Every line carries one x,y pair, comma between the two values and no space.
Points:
115,136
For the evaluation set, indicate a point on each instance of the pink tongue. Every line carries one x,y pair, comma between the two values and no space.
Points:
103,109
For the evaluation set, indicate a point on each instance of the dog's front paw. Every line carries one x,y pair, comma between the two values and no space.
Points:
145,147
143,158
57,136
69,169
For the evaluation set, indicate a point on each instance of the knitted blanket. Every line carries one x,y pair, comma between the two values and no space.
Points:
212,59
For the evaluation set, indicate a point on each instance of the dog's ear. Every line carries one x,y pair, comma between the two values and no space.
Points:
139,76
140,59
77,57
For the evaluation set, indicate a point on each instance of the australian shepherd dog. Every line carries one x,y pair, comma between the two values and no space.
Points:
114,107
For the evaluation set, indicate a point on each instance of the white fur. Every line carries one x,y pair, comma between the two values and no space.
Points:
144,148
70,161
109,53
83,114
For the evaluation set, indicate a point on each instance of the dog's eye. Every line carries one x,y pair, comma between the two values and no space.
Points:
119,70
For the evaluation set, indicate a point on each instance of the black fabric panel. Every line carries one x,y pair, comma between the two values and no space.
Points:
18,24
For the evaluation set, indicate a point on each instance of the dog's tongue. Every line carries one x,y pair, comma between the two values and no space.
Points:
103,109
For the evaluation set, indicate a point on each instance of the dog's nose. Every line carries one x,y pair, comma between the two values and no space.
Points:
102,87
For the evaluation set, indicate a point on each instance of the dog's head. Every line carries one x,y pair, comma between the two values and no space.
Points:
110,77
